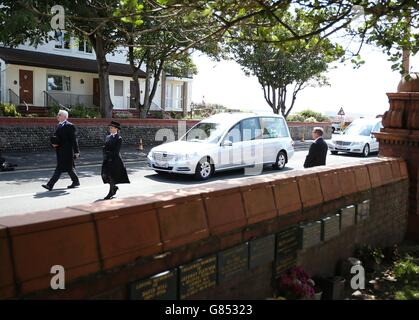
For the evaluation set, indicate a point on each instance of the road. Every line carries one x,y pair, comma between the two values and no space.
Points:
21,191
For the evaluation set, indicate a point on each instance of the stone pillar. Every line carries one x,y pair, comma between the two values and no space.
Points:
400,138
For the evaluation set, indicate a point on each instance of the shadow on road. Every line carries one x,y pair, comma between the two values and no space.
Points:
51,194
223,175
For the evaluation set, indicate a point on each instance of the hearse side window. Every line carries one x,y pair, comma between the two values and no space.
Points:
234,135
251,129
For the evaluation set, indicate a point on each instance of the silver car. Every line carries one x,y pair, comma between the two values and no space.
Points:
357,137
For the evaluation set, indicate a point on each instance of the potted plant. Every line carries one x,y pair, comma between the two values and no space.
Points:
295,284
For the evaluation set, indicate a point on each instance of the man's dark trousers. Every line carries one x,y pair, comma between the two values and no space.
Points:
57,175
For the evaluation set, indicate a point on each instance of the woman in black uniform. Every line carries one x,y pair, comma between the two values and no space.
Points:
113,168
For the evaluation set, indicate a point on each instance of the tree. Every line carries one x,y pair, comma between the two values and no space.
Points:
287,67
108,24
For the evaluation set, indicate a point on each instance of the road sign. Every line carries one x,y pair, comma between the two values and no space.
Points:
341,112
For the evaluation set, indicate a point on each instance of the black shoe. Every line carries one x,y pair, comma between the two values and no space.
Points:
73,185
109,196
47,187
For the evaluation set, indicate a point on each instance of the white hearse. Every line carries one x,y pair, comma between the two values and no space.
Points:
226,141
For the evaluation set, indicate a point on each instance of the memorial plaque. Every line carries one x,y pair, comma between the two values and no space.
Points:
262,251
233,261
287,242
162,286
347,217
197,276
286,249
363,211
310,234
282,264
330,227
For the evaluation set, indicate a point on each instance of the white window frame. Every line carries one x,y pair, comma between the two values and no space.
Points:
86,45
60,42
63,80
174,96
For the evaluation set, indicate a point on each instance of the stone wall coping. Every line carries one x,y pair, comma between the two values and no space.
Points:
137,227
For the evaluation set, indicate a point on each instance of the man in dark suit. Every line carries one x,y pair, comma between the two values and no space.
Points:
66,146
318,150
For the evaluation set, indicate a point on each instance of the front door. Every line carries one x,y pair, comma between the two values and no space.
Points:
26,86
96,92
132,95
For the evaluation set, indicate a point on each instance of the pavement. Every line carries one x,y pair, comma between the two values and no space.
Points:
89,156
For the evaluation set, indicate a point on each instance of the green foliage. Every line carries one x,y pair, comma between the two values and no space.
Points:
370,256
286,67
81,111
8,110
407,271
310,119
313,114
182,67
308,116
123,115
53,111
295,117
408,293
77,111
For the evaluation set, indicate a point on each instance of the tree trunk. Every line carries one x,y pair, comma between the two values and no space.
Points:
137,93
150,93
145,106
106,105
135,77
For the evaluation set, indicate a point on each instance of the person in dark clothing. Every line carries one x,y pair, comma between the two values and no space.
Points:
318,150
6,166
113,168
66,146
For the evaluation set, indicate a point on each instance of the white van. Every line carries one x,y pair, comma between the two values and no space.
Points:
357,137
226,141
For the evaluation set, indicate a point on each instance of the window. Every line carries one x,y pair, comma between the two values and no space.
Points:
251,129
358,128
169,95
174,95
58,83
119,88
62,40
85,46
274,128
204,131
178,96
234,135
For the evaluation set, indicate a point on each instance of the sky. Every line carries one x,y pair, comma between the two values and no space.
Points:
358,91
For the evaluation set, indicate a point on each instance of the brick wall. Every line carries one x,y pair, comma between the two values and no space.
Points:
32,134
106,246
